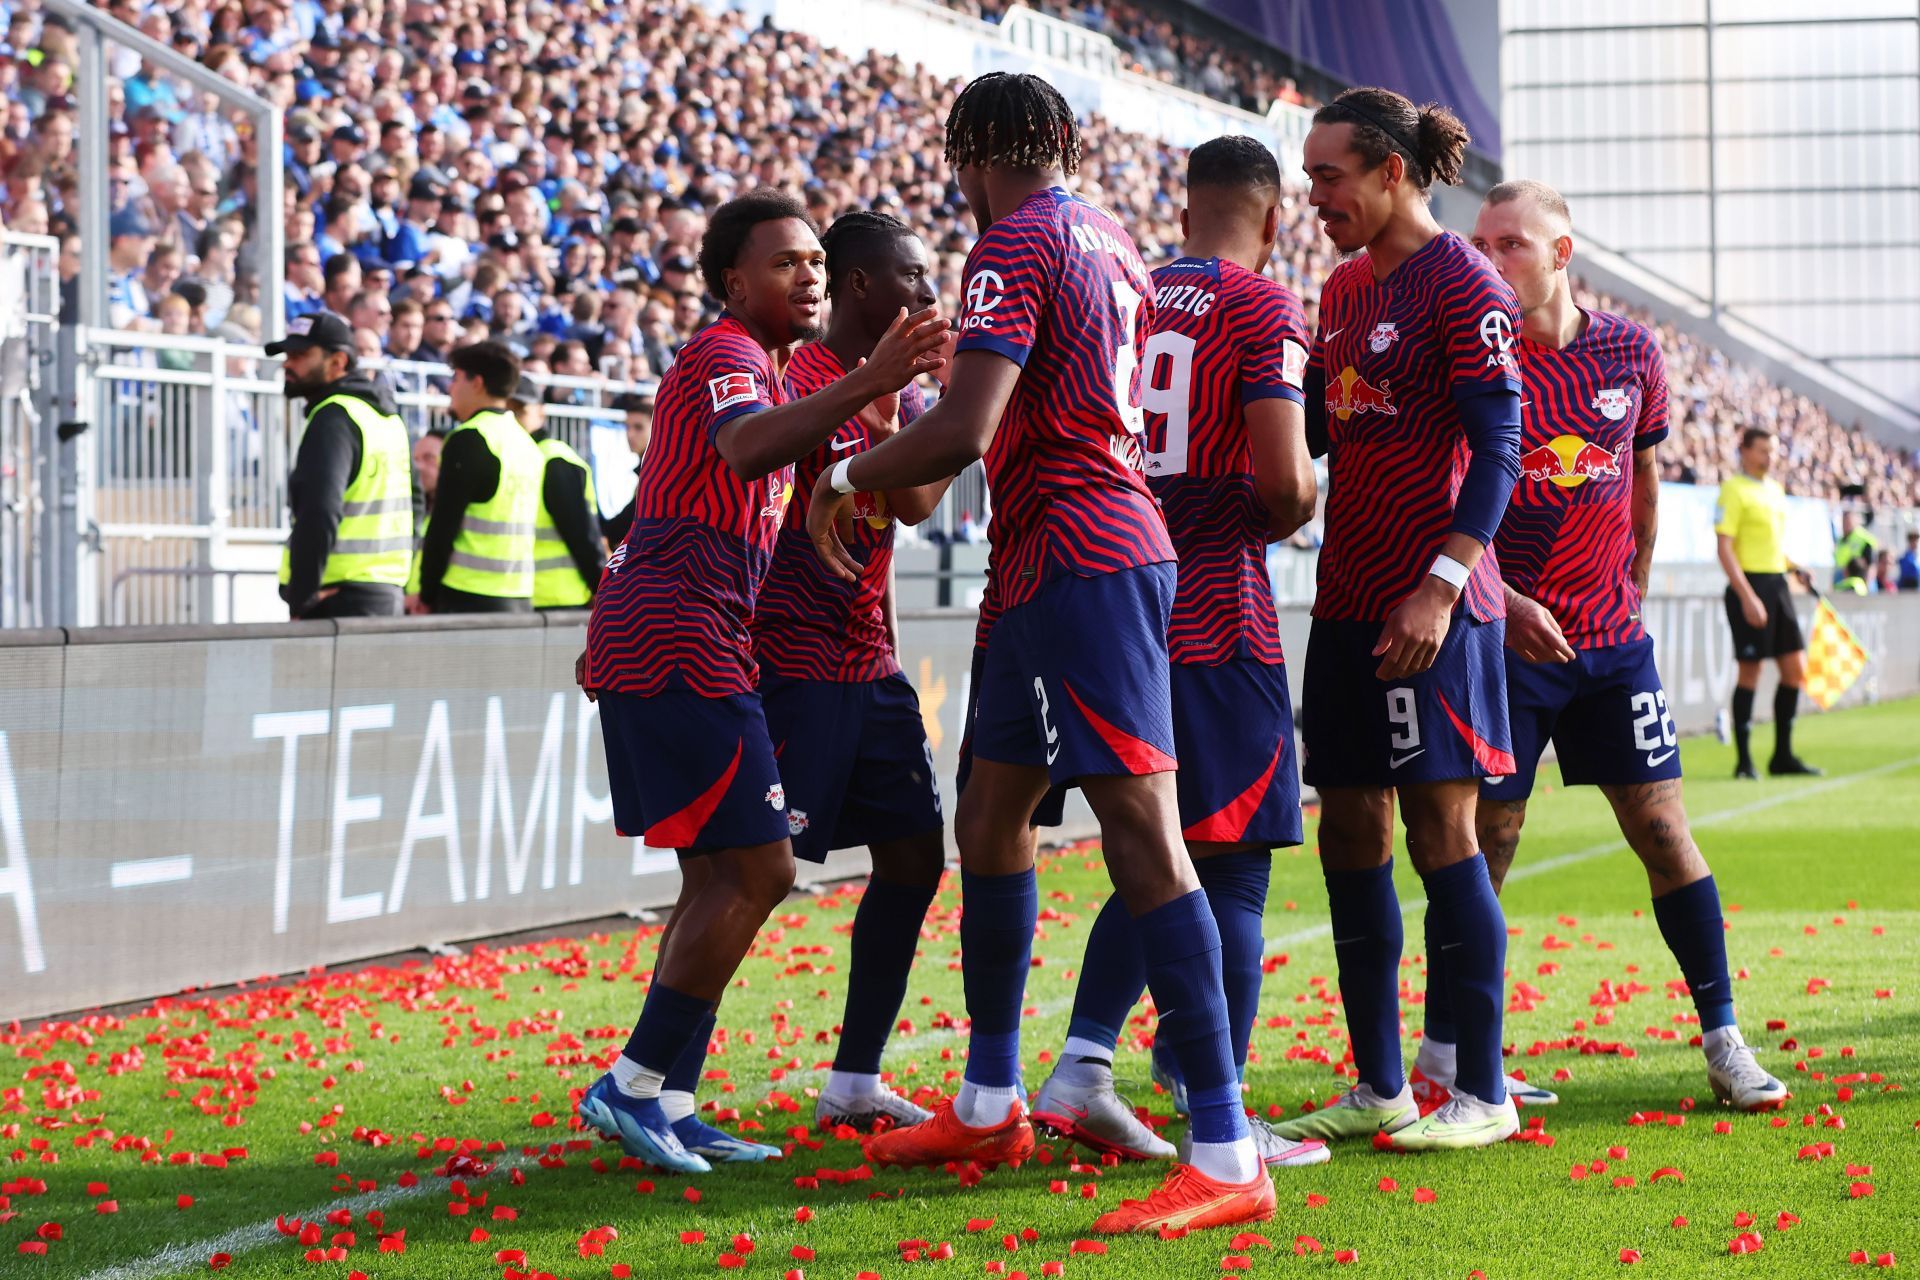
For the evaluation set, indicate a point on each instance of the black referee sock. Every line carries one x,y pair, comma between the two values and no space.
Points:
1786,702
1742,722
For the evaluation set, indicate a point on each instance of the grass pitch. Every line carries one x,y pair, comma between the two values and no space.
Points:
414,1121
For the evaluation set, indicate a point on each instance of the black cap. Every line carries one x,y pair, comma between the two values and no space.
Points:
321,329
524,392
681,264
351,133
425,188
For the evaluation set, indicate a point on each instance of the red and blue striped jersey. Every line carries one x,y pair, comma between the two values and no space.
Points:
1393,354
1058,288
1223,337
1567,539
808,624
674,603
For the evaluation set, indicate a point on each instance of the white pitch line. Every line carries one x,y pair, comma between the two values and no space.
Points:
1528,870
176,1258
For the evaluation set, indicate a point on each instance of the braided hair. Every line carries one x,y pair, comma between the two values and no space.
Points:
1014,121
853,238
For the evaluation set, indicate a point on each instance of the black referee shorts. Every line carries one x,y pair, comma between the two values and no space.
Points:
1781,633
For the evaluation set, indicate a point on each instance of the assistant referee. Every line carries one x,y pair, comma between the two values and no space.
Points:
1751,521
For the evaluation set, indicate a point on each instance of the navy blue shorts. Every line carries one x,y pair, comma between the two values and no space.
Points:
1233,729
1076,679
1605,712
1052,809
692,773
1448,722
854,759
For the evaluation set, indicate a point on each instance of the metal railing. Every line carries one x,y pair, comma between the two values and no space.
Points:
29,314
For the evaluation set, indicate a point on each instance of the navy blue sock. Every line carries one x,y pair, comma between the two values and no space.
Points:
684,1074
997,915
1440,1024
1181,944
1236,888
1113,973
670,1021
886,930
1470,930
1367,937
1695,931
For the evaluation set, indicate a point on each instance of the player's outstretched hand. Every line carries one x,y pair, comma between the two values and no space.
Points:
880,417
1411,638
910,347
580,677
824,514
1533,634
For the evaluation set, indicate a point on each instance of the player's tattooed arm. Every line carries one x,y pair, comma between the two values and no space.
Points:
1646,515
1533,632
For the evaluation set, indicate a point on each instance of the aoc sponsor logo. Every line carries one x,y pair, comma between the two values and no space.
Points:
1496,334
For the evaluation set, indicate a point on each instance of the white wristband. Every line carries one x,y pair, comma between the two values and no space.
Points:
1451,572
838,476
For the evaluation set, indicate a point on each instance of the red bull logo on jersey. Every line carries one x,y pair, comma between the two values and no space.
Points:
1384,335
872,507
1570,461
1350,393
1614,403
777,500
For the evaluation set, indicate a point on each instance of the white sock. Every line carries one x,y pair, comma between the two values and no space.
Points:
1081,1047
979,1107
1438,1061
635,1080
1715,1043
677,1103
850,1086
1234,1162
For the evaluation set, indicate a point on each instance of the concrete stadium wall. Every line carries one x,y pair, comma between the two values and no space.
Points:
188,806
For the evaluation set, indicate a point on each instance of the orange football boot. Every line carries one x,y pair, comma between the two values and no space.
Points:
1190,1200
944,1139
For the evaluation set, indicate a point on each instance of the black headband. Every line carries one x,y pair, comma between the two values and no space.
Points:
1393,134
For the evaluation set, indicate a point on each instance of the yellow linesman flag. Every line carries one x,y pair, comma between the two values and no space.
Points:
1835,658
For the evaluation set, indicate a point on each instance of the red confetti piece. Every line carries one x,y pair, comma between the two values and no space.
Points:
801,1253
479,1235
1746,1242
691,1195
1743,1219
1236,1262
1046,1269
1388,1185
49,1231
1667,1171
803,1214
980,1224
729,1261
1860,1190
1629,1256
621,1271
1307,1244
1680,1221
220,1261
1884,1260
1858,1256
1086,1246
1248,1239
510,1255
107,1206
1344,1256
96,1189
692,1237
1423,1195
1786,1221
36,1247
1316,1201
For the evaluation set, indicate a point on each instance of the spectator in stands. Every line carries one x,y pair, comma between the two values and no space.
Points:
638,408
162,270
408,327
476,555
351,491
1885,576
371,310
342,274
305,281
131,242
426,475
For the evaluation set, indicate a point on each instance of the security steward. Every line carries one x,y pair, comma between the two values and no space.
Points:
476,555
568,552
1751,521
351,490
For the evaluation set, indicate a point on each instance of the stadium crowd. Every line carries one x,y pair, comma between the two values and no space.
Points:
540,172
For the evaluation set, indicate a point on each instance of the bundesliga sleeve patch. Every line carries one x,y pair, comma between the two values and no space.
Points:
1293,363
732,389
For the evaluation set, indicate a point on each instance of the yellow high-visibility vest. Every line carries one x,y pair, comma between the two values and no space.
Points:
493,551
374,542
557,581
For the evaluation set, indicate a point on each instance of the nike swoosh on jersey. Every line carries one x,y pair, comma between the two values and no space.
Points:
1336,333
841,446
1394,762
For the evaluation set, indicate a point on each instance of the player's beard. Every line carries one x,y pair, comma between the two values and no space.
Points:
808,332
